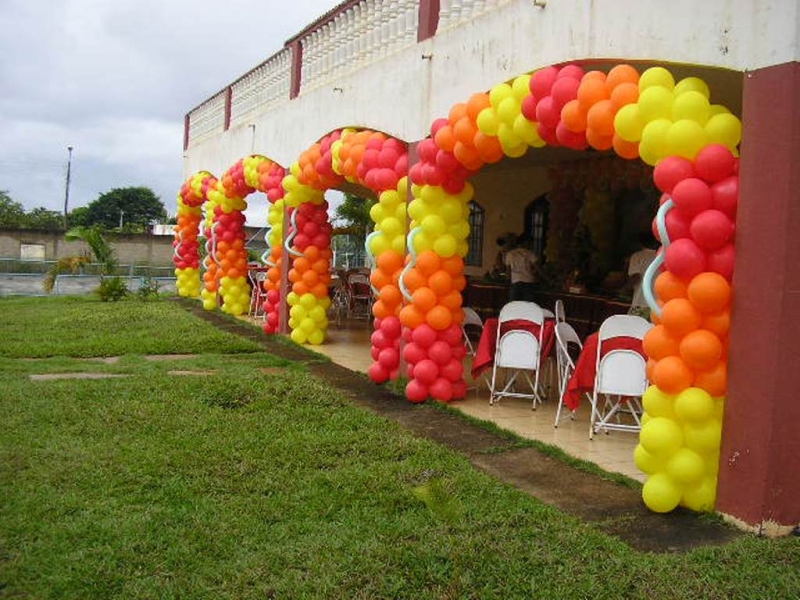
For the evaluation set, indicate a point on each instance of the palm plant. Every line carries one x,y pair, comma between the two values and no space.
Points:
100,250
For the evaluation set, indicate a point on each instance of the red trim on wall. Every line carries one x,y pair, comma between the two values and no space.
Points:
428,19
228,99
186,132
760,454
297,68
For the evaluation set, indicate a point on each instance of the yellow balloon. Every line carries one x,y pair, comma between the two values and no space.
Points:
690,105
417,209
656,76
432,194
445,245
422,243
658,404
686,138
526,130
646,462
508,139
499,93
516,151
686,467
299,336
724,129
398,244
628,123
701,497
660,493
703,438
488,121
653,146
434,225
508,110
692,84
655,103
391,227
316,337
521,87
661,437
694,405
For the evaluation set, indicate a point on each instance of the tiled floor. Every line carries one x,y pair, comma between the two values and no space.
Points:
350,347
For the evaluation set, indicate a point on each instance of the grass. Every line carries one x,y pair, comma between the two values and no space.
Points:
253,484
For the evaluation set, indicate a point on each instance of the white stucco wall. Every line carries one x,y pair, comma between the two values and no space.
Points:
404,93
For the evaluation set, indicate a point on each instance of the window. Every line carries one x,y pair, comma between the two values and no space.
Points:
475,240
536,221
32,251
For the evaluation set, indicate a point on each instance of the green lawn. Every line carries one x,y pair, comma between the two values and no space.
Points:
252,483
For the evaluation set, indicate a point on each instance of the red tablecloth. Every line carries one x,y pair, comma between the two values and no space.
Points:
484,354
582,379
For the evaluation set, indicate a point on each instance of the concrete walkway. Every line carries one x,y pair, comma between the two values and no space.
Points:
609,506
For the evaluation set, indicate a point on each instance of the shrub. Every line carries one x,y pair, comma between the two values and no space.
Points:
148,288
112,289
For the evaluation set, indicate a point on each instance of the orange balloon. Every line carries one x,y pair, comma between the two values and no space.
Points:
390,261
457,112
453,265
465,130
719,324
669,286
672,375
599,142
599,75
411,317
709,292
326,254
466,155
624,93
414,279
591,91
622,74
445,139
428,262
651,364
390,295
320,290
713,380
380,310
321,266
312,253
700,349
476,103
574,116
379,279
453,300
680,317
301,264
299,288
600,118
310,278
234,273
439,317
459,283
489,148
458,316
424,299
440,282
624,148
658,343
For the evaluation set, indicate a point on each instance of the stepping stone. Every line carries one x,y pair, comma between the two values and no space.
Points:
191,372
161,357
54,376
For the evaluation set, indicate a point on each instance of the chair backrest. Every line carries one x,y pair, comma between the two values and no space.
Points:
566,335
622,372
559,311
519,348
471,317
358,282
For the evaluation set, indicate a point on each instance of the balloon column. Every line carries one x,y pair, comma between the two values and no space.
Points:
193,194
309,241
270,179
376,161
680,439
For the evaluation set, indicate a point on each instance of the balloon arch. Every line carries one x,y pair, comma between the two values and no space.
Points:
418,269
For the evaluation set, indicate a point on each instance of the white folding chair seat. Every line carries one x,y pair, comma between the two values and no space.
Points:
518,351
565,335
471,320
621,377
559,312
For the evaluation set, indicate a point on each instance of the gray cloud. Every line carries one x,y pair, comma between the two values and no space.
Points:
114,79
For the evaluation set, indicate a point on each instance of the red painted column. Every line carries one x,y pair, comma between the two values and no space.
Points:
186,132
228,100
297,68
759,479
428,19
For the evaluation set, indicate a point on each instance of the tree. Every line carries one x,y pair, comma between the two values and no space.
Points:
353,214
78,217
12,214
100,248
42,218
134,207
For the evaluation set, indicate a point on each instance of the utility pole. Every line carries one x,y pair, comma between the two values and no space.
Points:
121,214
66,194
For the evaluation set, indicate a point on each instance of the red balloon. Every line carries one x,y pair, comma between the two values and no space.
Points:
677,225
529,108
407,334
714,163
572,71
426,371
721,261
440,352
725,195
453,371
416,392
542,81
459,389
389,358
424,335
571,139
711,229
547,112
692,196
391,327
374,352
441,389
413,353
379,340
378,373
685,259
672,170
564,89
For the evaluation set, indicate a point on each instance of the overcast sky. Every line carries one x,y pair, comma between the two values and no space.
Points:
114,79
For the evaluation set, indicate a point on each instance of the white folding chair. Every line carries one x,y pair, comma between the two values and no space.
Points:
360,294
517,351
257,294
565,335
559,312
471,320
621,377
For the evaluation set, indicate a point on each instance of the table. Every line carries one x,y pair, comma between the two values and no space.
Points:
484,354
582,379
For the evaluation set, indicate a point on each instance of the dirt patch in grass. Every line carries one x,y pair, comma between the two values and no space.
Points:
55,376
163,357
182,373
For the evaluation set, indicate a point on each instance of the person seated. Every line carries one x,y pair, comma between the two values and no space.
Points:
637,266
